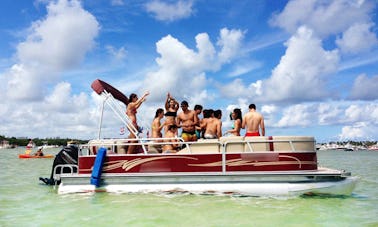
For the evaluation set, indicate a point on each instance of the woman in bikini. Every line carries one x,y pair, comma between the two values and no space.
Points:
131,110
236,115
171,107
156,125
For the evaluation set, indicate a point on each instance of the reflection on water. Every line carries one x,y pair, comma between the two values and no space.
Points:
26,202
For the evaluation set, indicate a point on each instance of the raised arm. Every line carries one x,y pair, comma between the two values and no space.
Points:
167,101
141,100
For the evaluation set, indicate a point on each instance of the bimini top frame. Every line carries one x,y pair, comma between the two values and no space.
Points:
111,96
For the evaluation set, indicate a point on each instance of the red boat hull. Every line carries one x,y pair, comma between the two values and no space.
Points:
197,163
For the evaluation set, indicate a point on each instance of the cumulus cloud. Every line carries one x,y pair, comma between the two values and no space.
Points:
61,114
361,113
329,113
358,131
164,11
357,38
324,17
182,71
302,70
365,88
72,103
117,54
230,43
237,88
297,115
54,44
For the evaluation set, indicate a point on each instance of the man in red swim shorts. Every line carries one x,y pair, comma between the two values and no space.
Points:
252,134
254,121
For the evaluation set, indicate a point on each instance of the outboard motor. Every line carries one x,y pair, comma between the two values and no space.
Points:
68,155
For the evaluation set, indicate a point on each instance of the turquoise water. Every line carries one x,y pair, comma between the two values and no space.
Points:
26,202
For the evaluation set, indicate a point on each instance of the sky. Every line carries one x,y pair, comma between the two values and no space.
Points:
310,66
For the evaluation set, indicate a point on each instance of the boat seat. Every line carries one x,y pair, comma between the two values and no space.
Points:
202,146
294,143
232,144
94,145
256,144
154,148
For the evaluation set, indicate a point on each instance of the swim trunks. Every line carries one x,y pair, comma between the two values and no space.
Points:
189,136
210,136
252,134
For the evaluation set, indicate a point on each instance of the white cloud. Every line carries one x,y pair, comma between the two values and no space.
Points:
358,38
324,17
237,88
244,68
230,42
358,131
182,71
57,43
329,113
117,54
301,72
164,11
361,113
365,88
297,115
61,114
53,45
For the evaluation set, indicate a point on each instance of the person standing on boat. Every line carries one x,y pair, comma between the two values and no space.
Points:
187,120
253,122
236,115
171,108
211,125
198,110
156,125
131,111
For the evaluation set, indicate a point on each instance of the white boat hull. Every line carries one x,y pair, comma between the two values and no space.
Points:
279,184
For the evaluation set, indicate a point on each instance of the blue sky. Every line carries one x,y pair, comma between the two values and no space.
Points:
310,66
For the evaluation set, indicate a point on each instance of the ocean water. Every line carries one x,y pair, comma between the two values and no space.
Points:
24,201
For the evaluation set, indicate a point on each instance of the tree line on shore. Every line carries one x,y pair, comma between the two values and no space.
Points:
38,141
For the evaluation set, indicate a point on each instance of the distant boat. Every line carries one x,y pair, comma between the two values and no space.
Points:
4,144
46,145
373,147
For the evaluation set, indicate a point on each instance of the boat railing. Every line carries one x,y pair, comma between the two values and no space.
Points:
60,169
119,146
228,145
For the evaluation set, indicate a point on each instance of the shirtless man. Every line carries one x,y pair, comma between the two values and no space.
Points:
212,125
254,121
187,120
171,133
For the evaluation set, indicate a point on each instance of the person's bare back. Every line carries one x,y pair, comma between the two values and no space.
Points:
253,121
213,127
